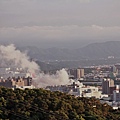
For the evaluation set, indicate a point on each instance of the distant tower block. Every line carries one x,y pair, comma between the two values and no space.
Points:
114,69
116,94
76,73
79,73
82,72
106,84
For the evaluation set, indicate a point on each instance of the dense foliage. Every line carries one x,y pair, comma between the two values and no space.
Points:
39,104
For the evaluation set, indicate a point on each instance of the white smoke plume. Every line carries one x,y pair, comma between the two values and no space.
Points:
11,57
60,78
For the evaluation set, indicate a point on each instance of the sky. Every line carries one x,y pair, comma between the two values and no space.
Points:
59,23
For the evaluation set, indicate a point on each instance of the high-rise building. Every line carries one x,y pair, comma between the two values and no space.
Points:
114,69
116,94
77,73
106,84
82,72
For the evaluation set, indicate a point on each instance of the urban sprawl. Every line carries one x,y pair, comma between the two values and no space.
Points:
101,82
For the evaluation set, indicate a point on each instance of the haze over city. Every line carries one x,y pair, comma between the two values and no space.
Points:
59,23
59,60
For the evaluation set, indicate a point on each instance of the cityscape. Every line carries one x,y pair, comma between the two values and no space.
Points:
101,82
59,60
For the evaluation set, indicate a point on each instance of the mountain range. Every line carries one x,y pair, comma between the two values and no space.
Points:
91,51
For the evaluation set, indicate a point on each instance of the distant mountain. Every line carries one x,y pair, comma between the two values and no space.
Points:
101,50
91,51
48,54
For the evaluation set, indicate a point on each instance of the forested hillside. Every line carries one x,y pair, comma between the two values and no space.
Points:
39,104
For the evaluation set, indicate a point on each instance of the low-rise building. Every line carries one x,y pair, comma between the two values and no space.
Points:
77,90
11,82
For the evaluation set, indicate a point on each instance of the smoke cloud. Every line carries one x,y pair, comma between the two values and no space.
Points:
11,57
60,78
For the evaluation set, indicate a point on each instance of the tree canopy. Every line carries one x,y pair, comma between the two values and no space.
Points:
40,104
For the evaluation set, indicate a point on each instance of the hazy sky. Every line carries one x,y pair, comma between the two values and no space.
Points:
59,23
